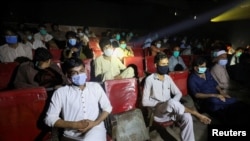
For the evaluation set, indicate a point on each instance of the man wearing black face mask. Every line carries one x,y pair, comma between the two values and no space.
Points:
156,94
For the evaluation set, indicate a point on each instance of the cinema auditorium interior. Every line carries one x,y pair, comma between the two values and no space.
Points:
138,56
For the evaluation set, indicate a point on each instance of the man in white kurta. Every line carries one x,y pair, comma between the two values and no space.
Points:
8,53
76,108
157,94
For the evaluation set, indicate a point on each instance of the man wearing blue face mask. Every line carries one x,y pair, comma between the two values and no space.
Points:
109,67
219,71
79,108
176,63
211,99
157,92
13,49
123,50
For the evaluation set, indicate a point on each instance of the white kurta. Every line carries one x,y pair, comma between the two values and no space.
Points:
9,54
75,104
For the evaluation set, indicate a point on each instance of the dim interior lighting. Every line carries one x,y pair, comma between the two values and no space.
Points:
239,12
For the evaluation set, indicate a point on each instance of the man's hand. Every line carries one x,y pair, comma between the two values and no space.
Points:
90,125
204,119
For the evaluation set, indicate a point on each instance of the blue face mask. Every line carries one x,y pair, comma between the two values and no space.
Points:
202,70
72,42
118,37
11,39
43,32
222,62
162,69
79,79
176,53
123,46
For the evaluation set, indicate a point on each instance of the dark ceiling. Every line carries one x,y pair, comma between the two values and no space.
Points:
140,14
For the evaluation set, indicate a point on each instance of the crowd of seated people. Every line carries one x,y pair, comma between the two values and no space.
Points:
210,90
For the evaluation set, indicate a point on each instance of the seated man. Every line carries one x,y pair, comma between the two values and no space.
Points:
108,67
212,99
123,50
79,108
157,94
40,72
176,63
13,49
219,71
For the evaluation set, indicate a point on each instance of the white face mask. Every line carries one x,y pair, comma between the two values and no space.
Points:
81,34
108,52
158,45
165,40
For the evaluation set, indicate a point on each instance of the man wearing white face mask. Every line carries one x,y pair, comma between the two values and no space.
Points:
79,108
108,67
219,71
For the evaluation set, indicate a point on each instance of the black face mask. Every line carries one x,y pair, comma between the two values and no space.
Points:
162,69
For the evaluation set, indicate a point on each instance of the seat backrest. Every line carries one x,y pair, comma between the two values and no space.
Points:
137,61
56,53
6,72
20,112
149,64
187,60
122,94
138,51
180,79
87,63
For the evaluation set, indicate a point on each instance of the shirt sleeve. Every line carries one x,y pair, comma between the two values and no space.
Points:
104,101
98,65
193,87
54,109
146,99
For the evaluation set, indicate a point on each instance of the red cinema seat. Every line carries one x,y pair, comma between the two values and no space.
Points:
20,112
6,73
187,60
149,64
138,62
138,51
180,79
122,94
56,53
87,63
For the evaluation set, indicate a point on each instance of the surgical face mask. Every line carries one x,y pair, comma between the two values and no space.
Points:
162,69
79,79
72,41
176,53
215,54
165,40
43,32
118,37
238,54
158,45
131,34
29,37
86,31
11,39
222,62
202,70
123,33
108,52
123,46
81,34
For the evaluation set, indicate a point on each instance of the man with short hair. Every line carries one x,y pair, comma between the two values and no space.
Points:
79,108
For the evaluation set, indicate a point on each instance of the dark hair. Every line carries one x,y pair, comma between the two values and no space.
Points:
103,42
159,56
71,63
42,54
199,61
70,34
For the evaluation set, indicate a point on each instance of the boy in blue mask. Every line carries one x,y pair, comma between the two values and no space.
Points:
13,48
79,108
123,50
157,94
